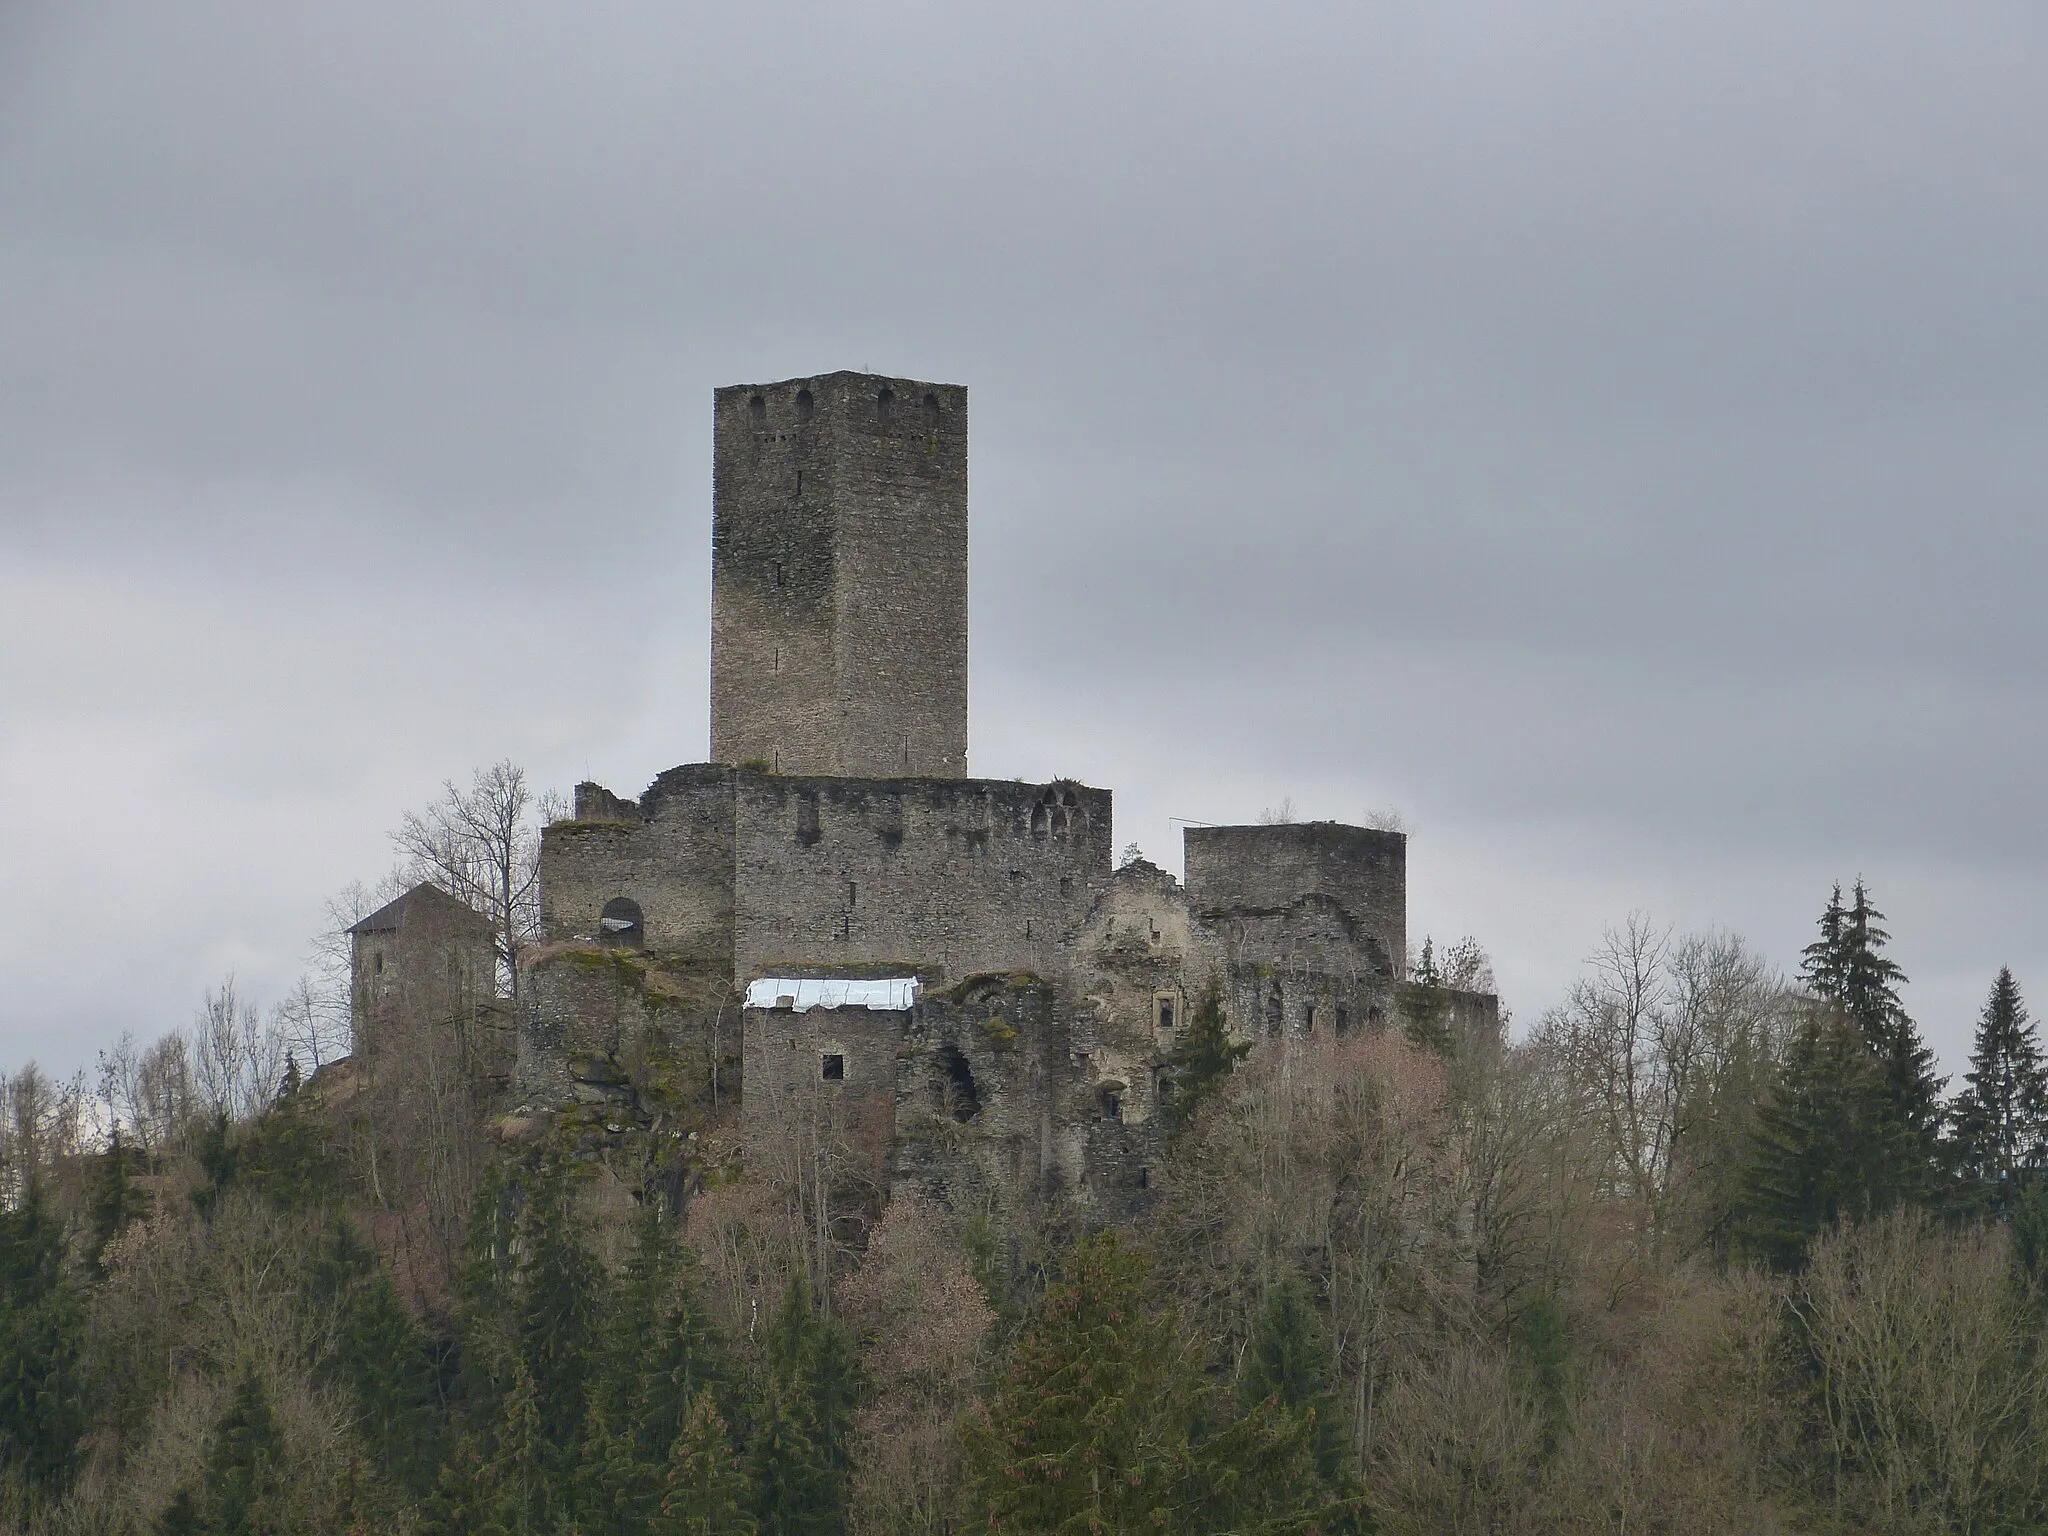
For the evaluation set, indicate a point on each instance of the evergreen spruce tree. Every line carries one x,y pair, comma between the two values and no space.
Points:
793,1489
1870,982
662,1349
42,1344
1541,1355
116,1198
1090,1429
705,1491
1829,1145
617,1491
1287,1362
516,1479
800,1444
2001,1118
1426,1004
1821,962
1846,969
1201,1061
560,1290
241,1475
486,1303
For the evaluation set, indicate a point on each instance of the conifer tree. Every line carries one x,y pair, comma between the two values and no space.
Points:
1287,1362
1870,982
116,1198
1089,1432
1426,1005
42,1344
705,1491
1829,1145
516,1480
663,1349
800,1457
1846,968
241,1469
466,1499
560,1288
2001,1118
1821,962
486,1302
617,1492
1201,1061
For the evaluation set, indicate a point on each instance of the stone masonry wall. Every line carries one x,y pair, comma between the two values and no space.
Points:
671,852
948,877
839,576
1257,875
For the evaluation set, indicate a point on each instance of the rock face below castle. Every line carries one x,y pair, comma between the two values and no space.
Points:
1023,1056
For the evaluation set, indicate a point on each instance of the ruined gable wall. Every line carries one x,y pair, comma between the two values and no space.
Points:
671,852
950,877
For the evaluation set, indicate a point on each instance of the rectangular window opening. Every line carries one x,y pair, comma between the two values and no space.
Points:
832,1067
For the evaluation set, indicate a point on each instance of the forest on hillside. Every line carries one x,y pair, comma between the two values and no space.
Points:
1706,1248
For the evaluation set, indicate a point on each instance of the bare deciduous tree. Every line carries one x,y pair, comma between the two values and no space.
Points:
42,1123
482,846
1936,1415
1667,1045
237,1063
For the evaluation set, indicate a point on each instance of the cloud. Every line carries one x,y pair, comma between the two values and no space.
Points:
1611,434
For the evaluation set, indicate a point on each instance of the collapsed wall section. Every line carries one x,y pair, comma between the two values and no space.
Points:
946,877
654,874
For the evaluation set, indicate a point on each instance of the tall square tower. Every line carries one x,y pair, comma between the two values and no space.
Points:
839,577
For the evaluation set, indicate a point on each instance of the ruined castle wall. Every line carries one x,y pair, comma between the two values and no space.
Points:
949,877
839,576
671,853
1142,962
1250,881
823,1084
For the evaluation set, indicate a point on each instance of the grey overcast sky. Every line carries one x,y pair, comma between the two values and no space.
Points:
1611,435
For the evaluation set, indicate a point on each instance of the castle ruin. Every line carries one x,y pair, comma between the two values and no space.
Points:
835,932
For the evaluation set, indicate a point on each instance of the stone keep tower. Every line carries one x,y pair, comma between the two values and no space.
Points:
839,577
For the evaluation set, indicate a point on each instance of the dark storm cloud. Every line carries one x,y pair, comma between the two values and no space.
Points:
1610,432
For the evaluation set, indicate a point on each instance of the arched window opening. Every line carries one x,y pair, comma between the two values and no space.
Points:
959,1094
757,408
885,404
620,924
931,412
803,405
1113,1102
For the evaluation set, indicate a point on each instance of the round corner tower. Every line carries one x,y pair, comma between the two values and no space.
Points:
839,577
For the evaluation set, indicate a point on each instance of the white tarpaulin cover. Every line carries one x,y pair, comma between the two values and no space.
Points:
890,994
